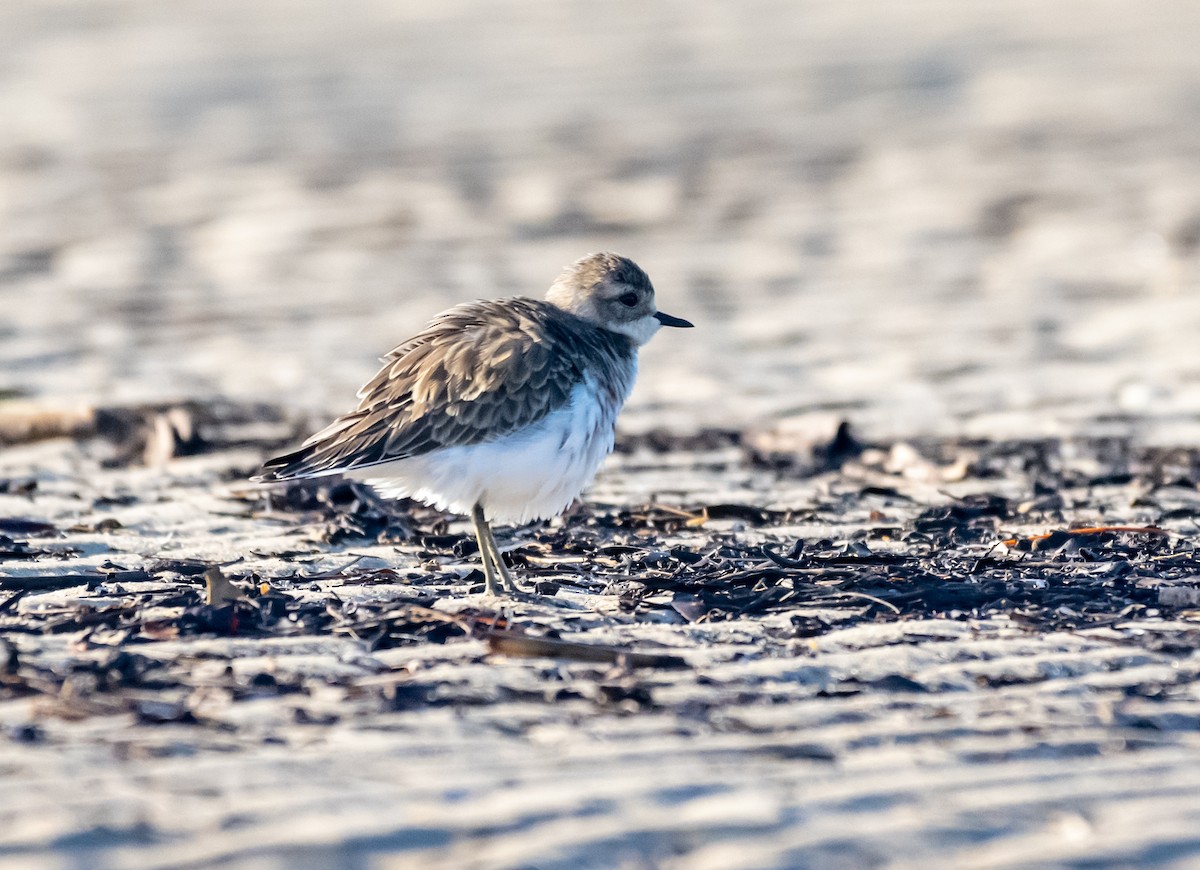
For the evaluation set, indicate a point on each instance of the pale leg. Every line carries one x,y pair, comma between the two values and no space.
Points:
490,559
501,568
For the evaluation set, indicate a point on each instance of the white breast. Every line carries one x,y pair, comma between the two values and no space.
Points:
530,474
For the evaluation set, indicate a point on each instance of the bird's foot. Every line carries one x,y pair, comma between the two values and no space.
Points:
510,585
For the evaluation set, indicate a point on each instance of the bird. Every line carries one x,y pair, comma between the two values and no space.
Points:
498,410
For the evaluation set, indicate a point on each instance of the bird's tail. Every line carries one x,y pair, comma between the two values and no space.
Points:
327,452
288,466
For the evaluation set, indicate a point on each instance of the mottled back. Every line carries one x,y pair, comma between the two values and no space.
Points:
479,371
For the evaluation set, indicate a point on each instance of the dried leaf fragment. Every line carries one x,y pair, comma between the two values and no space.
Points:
218,591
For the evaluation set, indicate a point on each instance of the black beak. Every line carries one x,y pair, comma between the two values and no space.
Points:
668,320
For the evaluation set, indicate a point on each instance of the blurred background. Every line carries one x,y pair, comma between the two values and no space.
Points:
928,217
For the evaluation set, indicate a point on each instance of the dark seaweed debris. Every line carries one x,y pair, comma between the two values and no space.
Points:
345,510
948,559
153,434
1042,555
1069,581
13,549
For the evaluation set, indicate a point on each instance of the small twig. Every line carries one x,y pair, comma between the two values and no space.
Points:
867,597
674,511
46,582
781,561
333,572
523,646
11,601
1091,530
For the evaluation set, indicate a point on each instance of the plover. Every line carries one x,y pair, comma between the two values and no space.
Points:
498,410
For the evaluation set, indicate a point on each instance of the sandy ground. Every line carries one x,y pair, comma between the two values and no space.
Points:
1044,714
929,218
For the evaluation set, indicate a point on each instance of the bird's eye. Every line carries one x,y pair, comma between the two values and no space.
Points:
628,299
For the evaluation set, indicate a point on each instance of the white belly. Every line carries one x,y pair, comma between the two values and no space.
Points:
531,474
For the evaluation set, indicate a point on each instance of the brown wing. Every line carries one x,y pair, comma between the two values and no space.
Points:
477,372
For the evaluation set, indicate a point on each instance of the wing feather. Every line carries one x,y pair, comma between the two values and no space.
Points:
477,372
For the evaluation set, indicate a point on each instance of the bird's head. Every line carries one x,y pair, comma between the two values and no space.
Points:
613,293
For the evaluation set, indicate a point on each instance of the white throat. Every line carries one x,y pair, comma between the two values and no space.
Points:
640,330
